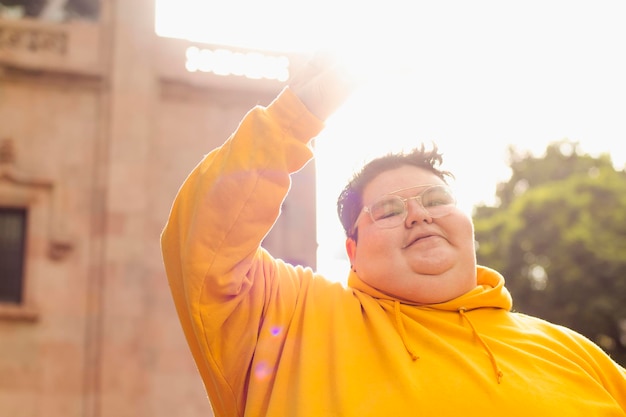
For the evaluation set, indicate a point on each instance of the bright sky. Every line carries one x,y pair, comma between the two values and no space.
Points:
472,76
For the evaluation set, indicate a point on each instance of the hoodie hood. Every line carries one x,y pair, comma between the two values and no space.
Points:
489,292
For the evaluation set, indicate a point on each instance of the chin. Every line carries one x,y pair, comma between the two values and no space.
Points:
432,269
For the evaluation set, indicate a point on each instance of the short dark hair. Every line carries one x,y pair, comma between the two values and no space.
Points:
350,201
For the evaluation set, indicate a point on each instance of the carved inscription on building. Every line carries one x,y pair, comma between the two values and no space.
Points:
33,40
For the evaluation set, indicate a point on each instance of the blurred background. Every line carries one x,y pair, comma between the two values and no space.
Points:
105,106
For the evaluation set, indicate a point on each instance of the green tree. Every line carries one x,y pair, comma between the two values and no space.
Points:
558,235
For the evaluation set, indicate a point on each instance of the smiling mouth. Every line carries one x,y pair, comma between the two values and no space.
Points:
419,239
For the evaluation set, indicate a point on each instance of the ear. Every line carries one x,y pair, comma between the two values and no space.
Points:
351,249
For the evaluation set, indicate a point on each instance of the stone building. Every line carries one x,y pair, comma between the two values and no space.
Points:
100,122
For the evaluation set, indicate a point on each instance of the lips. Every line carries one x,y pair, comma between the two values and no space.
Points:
419,237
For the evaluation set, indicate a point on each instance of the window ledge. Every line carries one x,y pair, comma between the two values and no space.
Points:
18,312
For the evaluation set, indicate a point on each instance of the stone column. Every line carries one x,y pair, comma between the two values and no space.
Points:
129,107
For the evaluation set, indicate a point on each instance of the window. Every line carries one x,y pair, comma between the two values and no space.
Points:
12,249
28,223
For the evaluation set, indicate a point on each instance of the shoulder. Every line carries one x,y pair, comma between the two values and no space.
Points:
561,339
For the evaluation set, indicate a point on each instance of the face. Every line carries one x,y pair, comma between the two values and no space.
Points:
424,260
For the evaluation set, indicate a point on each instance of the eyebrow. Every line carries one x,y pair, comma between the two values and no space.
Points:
410,188
380,196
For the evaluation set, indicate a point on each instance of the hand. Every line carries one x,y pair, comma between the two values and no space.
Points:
323,85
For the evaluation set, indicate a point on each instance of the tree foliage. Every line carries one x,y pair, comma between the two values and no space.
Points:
558,236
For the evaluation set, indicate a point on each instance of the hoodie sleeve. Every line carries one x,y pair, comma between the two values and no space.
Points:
574,347
220,278
603,368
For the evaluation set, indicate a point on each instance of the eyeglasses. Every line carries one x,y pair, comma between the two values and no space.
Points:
391,210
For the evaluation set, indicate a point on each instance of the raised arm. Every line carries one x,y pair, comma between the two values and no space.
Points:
220,278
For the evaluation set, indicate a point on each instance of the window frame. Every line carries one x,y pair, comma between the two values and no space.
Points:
45,236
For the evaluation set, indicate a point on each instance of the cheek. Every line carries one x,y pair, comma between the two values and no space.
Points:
375,245
462,231
381,239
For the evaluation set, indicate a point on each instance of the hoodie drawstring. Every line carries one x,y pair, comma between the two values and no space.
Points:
401,330
492,358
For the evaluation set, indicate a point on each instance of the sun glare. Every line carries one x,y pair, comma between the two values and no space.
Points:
473,77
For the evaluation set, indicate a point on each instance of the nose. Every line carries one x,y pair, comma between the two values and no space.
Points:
416,213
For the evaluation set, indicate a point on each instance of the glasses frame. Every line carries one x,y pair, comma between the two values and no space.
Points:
405,200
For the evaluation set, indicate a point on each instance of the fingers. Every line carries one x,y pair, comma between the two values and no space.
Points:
322,85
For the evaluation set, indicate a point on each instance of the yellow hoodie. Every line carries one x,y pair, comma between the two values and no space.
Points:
271,339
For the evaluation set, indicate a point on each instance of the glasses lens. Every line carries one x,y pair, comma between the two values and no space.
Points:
388,212
438,201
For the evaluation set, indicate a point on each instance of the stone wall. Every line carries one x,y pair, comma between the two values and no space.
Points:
103,123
